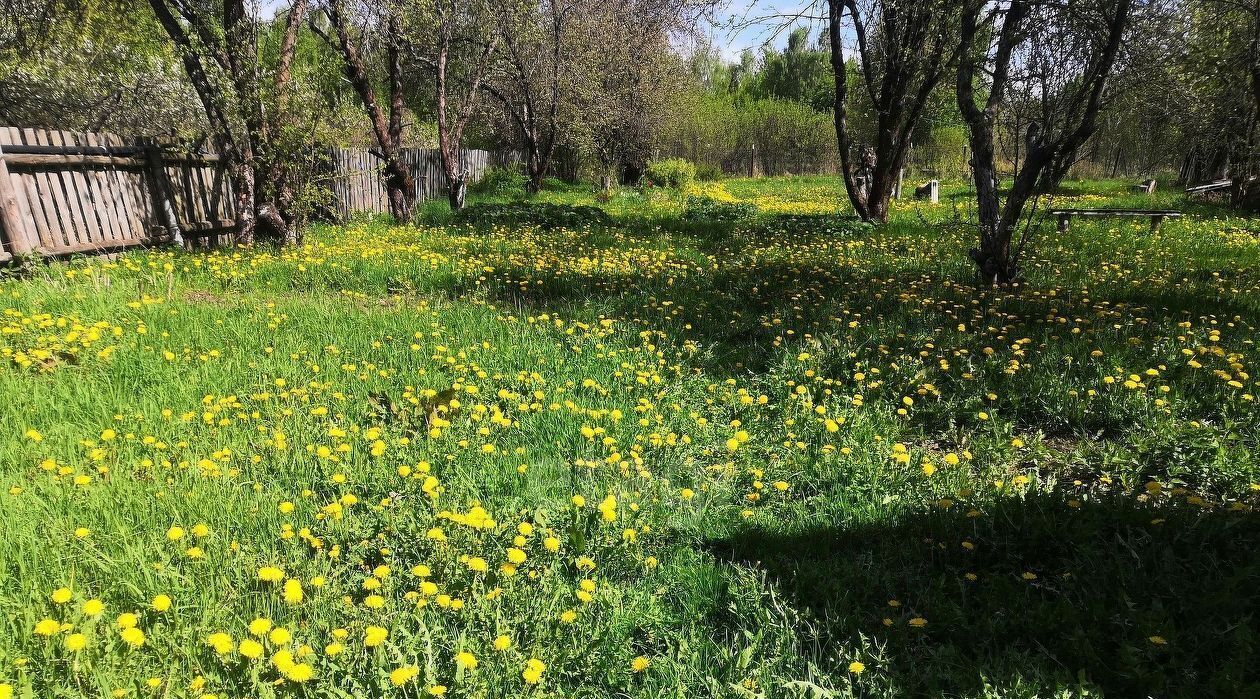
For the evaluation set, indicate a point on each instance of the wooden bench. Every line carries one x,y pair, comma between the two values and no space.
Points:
1206,187
1157,216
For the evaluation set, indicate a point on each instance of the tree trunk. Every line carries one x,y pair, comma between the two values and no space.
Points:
242,177
400,188
456,192
536,169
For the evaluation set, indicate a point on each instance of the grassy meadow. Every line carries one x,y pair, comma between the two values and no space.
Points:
737,447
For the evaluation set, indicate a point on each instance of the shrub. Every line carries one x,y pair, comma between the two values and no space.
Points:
499,180
708,172
673,173
541,214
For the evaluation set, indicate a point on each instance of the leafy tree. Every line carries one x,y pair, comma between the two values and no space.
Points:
800,73
71,64
904,49
1057,61
349,29
248,115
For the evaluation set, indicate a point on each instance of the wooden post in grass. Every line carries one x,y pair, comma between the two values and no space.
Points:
162,197
11,221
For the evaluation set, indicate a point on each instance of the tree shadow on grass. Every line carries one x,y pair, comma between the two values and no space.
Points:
1134,599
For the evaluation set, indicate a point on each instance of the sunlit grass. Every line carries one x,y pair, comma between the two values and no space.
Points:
791,456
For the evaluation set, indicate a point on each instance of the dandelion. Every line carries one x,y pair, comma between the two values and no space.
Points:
61,595
403,675
534,668
502,643
161,603
640,664
221,643
133,637
293,591
300,673
76,642
374,636
857,667
465,660
260,627
250,648
93,608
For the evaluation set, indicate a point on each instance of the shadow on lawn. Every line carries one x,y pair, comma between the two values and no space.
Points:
1110,575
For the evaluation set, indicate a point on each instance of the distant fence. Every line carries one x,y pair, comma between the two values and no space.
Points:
356,180
64,193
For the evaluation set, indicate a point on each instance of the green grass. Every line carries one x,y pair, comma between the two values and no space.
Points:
819,443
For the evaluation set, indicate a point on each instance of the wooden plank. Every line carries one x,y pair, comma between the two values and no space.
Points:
39,194
203,180
1172,213
137,200
81,194
34,204
17,238
120,183
103,196
81,248
49,161
10,135
56,197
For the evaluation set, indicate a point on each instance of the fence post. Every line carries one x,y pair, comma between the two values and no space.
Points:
11,214
162,198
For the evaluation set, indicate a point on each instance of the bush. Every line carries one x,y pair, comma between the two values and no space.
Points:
541,214
708,172
707,209
499,180
672,173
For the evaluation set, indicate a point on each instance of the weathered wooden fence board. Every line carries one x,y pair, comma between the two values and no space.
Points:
357,187
90,192
63,193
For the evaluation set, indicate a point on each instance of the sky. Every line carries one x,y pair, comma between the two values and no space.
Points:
748,24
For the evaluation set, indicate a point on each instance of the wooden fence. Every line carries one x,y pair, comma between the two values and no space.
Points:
356,180
63,193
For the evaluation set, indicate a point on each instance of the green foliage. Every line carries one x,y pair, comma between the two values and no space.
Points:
671,173
499,181
799,73
708,172
543,214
